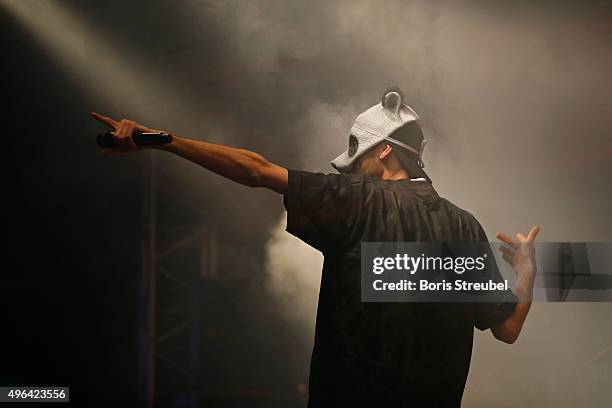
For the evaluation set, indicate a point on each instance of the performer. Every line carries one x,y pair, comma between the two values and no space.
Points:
374,354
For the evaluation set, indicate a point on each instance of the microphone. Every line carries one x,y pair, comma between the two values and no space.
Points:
107,139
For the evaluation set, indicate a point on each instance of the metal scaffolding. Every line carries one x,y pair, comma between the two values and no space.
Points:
176,255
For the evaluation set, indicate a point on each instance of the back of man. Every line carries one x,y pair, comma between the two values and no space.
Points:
371,354
382,354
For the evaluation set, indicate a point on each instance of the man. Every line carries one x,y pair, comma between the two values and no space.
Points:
374,354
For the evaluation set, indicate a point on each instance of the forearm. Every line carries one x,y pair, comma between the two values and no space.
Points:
509,330
240,165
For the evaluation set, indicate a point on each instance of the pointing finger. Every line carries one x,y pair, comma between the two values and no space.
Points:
106,120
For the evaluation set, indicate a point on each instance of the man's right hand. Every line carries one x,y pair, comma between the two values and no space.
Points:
124,129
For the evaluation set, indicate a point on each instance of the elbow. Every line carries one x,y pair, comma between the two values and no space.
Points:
506,336
259,172
511,339
268,175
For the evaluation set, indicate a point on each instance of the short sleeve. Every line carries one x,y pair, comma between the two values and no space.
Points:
320,207
491,314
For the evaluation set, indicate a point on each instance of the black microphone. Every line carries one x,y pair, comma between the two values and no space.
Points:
107,139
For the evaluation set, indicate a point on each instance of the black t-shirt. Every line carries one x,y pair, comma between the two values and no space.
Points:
383,354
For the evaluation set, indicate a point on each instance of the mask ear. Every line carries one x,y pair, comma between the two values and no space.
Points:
392,102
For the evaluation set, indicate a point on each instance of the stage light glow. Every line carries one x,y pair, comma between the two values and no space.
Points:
102,66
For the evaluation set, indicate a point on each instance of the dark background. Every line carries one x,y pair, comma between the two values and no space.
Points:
516,97
71,244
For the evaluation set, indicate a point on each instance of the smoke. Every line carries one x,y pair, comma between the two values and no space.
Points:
515,98
101,65
293,276
513,103
326,128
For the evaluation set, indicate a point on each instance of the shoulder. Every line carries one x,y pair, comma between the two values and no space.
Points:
300,179
337,177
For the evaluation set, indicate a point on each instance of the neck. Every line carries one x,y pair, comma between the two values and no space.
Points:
398,174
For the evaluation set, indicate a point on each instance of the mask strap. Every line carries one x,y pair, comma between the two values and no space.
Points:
412,149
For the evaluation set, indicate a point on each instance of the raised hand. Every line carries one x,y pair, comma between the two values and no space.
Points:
124,129
520,252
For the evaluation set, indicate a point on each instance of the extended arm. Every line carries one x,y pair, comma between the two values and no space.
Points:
521,255
240,165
